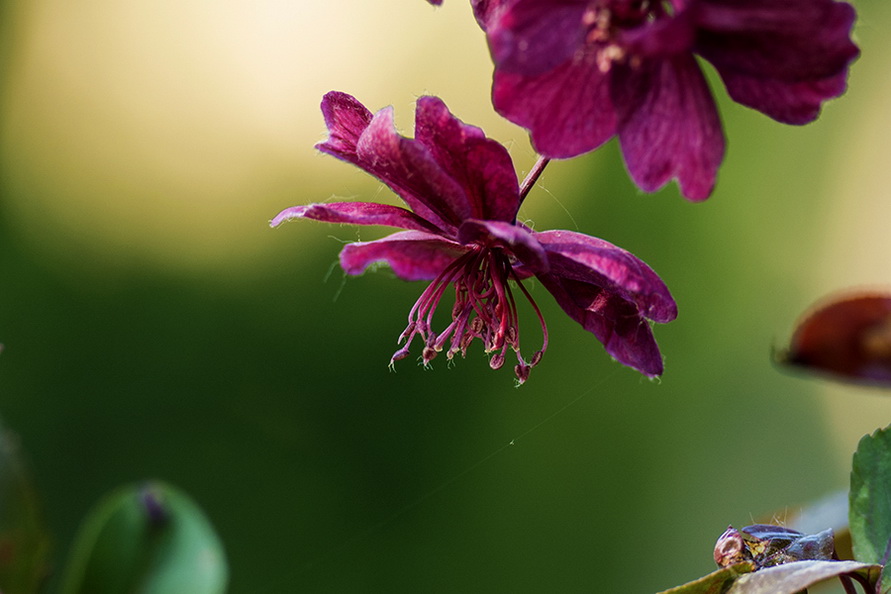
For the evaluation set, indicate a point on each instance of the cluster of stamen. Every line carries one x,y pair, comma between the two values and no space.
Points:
604,19
484,308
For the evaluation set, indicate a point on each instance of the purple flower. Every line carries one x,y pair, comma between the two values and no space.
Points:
577,72
462,232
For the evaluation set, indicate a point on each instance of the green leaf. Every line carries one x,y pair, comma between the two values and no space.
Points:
146,539
794,577
870,503
24,543
713,583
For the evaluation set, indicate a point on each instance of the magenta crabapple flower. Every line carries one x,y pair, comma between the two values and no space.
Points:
577,72
462,232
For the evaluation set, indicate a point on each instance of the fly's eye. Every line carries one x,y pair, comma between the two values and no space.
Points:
730,548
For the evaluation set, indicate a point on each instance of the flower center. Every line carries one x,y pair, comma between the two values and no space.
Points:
605,20
484,308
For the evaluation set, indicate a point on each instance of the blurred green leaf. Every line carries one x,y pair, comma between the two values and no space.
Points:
794,577
715,582
870,510
147,539
24,544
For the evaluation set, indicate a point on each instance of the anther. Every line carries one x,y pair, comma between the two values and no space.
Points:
399,355
428,354
522,373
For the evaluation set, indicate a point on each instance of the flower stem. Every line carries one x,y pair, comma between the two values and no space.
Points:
533,176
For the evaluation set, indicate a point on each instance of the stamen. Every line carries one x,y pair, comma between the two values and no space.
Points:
589,17
544,327
427,355
465,342
408,330
484,308
605,27
427,303
522,372
512,337
536,358
398,356
609,54
440,340
598,22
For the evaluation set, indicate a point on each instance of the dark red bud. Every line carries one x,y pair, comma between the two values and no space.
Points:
849,337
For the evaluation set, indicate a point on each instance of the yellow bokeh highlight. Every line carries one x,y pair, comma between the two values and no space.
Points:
169,134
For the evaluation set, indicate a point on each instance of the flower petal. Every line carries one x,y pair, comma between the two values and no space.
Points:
353,132
669,125
355,213
346,120
480,165
411,171
781,58
520,242
487,10
568,111
597,262
661,37
793,40
413,255
625,335
531,37
794,103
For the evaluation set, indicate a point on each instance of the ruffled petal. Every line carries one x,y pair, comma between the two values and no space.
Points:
795,103
782,58
568,111
517,240
410,170
354,135
625,335
481,166
346,120
487,10
531,37
355,213
668,125
597,262
792,40
412,255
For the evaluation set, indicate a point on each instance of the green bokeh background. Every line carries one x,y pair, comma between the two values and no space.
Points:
231,361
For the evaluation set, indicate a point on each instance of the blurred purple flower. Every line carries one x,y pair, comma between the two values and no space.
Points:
577,72
462,231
